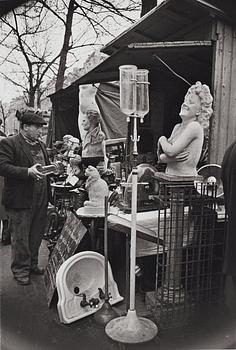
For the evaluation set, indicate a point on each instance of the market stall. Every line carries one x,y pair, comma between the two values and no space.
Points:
179,44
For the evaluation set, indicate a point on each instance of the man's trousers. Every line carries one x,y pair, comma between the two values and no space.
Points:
27,227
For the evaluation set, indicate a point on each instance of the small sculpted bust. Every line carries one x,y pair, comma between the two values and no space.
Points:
182,150
93,142
97,188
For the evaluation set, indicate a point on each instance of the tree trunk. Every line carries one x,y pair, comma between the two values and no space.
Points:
3,117
65,47
39,94
31,96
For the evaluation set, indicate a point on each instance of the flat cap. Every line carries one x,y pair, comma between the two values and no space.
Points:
30,117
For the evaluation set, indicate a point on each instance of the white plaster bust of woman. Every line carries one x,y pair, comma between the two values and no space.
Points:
182,150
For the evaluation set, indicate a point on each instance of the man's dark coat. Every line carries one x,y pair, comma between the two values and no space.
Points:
15,159
229,184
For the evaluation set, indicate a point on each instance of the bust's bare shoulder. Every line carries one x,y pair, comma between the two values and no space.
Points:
195,128
195,124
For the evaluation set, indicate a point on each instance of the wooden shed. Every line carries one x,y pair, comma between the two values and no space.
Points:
181,42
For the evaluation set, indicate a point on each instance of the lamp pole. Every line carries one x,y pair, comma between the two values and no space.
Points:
106,313
134,102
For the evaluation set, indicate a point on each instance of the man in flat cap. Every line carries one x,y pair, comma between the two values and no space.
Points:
25,193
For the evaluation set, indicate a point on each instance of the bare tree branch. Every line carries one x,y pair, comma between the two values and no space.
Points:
12,81
44,3
27,31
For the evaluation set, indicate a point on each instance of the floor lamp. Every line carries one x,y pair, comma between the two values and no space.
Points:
134,102
106,313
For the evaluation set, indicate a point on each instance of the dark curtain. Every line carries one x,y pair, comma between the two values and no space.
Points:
64,117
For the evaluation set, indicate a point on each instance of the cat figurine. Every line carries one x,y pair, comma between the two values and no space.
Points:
97,188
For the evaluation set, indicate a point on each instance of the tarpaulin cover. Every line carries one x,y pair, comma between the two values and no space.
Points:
65,111
114,122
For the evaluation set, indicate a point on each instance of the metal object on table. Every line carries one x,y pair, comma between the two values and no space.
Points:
211,174
146,199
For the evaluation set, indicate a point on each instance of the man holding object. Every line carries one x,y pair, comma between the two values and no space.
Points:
25,193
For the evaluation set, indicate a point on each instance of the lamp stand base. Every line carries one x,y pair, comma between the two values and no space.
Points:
131,329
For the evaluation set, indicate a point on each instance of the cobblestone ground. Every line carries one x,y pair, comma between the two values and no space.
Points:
28,324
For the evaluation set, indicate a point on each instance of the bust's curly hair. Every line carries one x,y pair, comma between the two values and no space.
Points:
203,91
93,116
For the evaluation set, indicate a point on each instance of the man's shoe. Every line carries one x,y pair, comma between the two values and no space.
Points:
37,270
23,281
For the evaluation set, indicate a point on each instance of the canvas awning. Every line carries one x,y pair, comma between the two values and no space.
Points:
184,57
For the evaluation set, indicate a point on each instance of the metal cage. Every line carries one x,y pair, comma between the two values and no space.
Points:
189,265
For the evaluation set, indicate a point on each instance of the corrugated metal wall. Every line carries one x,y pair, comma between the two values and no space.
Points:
223,127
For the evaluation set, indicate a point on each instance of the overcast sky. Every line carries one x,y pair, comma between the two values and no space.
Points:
8,90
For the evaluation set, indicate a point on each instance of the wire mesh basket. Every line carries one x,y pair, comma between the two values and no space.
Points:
189,265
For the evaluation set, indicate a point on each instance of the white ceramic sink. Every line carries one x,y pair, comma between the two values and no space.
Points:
83,273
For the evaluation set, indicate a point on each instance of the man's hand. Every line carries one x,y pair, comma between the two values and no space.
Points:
35,172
